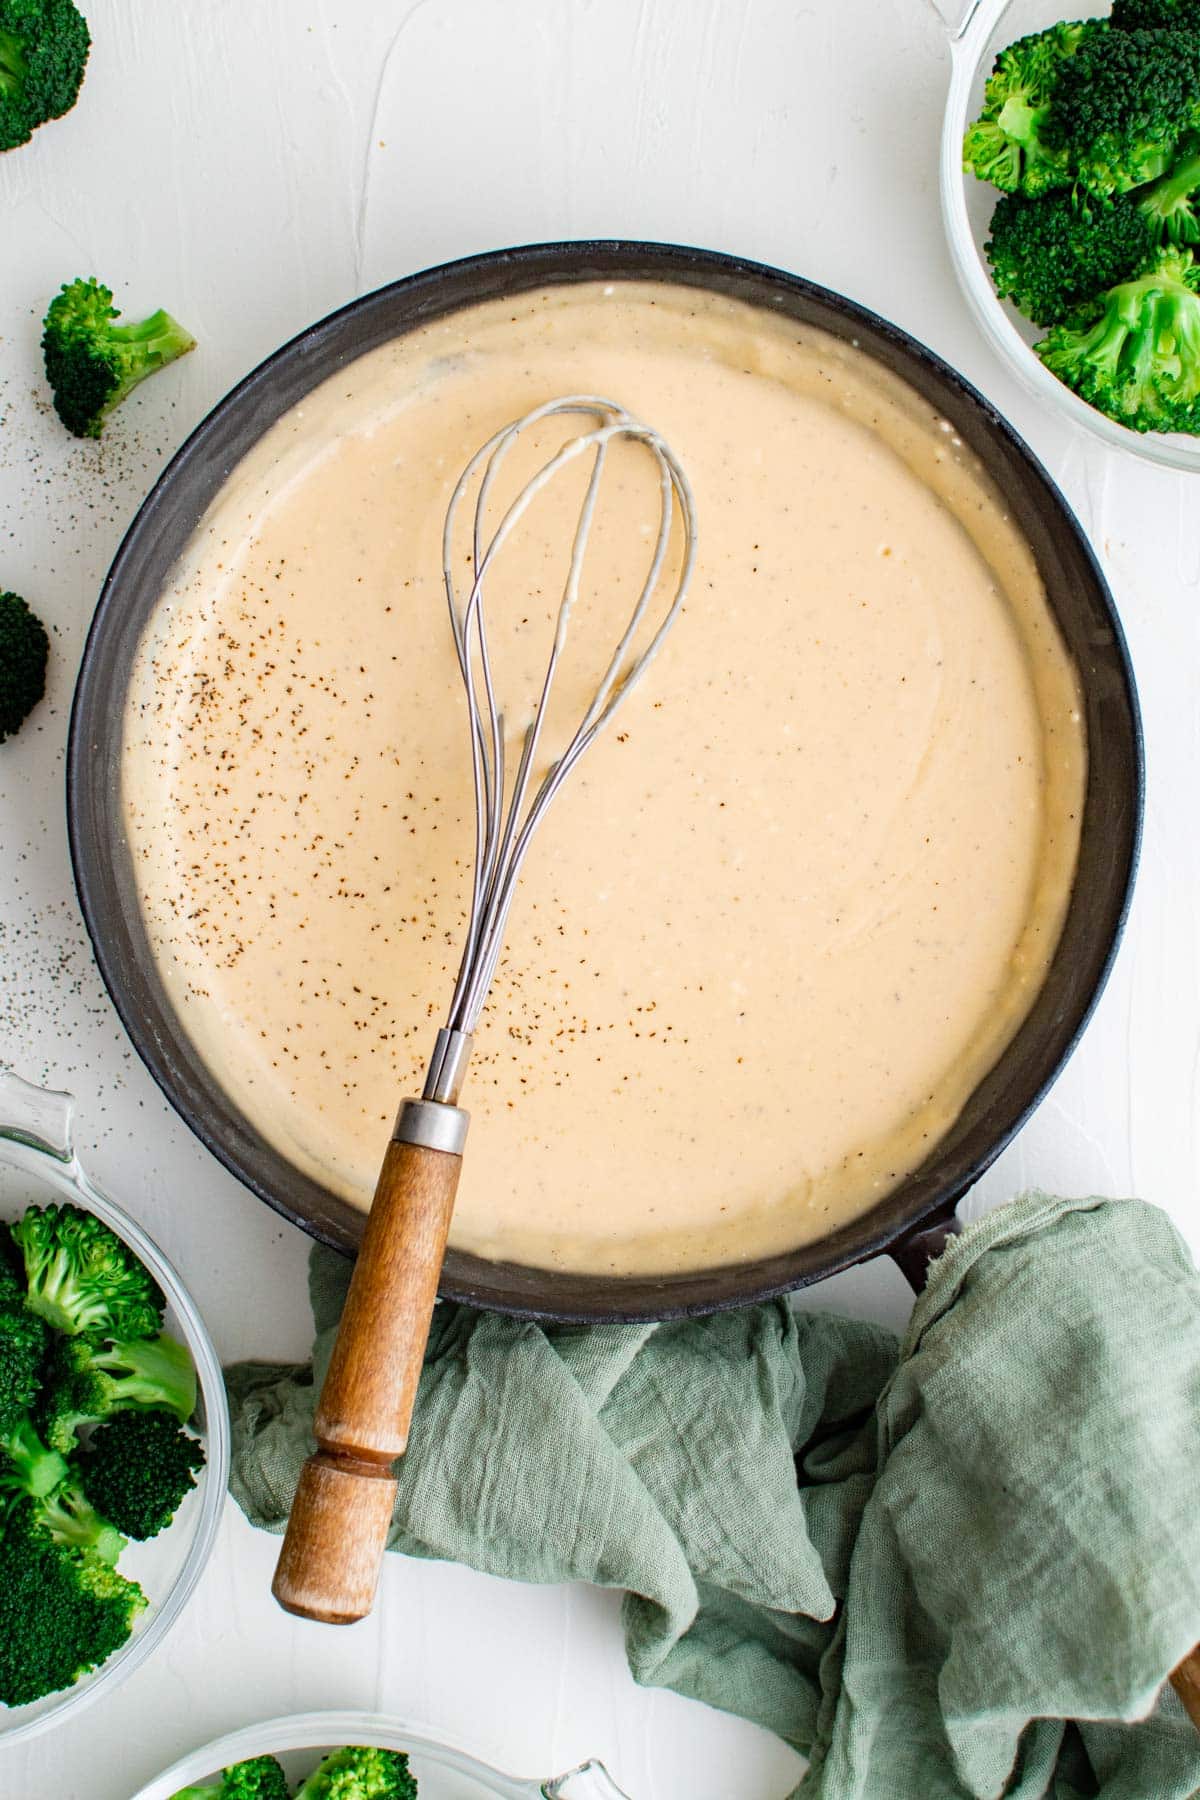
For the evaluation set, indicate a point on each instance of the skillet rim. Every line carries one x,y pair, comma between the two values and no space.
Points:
543,1294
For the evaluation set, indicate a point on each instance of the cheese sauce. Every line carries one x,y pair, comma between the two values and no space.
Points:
784,917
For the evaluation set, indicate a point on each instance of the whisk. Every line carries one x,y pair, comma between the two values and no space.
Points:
329,1564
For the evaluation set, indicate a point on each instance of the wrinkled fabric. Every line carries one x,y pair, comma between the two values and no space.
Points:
952,1568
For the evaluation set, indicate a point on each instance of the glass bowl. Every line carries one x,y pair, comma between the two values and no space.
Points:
38,1164
445,1770
978,29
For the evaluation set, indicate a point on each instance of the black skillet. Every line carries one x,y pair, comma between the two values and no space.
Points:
911,1220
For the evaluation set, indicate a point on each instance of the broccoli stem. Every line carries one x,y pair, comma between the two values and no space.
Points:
43,1477
1020,121
162,334
150,344
40,1470
1177,335
1180,182
72,1520
150,1372
13,67
1169,201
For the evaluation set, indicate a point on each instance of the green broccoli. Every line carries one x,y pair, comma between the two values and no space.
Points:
92,364
262,1778
33,1474
1155,15
24,1460
1123,105
1139,361
83,1278
64,1608
44,48
1050,255
22,1347
29,1469
24,652
1170,205
1006,145
70,1519
12,1275
62,1611
137,1470
359,1772
89,1382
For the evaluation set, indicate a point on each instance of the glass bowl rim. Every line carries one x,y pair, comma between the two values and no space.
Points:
319,1729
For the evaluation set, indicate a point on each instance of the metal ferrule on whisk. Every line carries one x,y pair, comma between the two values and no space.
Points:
505,821
435,1121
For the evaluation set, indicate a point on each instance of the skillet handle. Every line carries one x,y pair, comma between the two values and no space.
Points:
913,1253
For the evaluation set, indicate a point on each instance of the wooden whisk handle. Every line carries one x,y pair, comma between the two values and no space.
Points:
329,1565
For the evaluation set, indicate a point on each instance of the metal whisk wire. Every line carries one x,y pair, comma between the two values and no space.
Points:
504,830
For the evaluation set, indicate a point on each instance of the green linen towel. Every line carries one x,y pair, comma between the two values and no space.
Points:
942,1568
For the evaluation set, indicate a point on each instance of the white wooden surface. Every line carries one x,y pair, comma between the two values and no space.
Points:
252,164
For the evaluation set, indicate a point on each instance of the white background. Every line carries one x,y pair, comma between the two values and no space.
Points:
252,164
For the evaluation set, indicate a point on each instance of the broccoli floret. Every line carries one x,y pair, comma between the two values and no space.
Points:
82,1278
22,1347
43,53
1053,255
137,1470
62,1612
35,1475
72,1521
1050,255
1155,15
262,1778
89,1382
24,652
1123,104
1139,362
356,1772
359,1772
1006,145
92,364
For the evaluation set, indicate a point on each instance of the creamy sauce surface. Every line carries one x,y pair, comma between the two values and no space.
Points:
783,918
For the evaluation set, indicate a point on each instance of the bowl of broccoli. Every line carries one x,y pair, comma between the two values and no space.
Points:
1070,179
114,1430
357,1756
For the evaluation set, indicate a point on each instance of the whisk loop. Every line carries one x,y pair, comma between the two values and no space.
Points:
504,826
